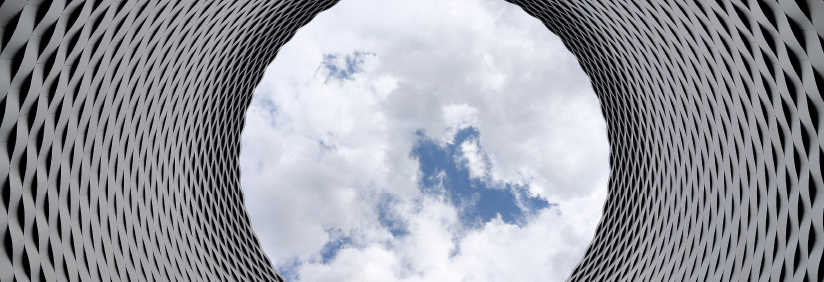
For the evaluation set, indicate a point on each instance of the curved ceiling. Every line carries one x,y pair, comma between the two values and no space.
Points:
121,122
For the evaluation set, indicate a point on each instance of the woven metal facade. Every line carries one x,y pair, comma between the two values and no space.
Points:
121,121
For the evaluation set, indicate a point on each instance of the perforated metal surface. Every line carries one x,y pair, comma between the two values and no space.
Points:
121,120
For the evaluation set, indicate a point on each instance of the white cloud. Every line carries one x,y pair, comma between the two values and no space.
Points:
460,116
474,158
318,155
545,249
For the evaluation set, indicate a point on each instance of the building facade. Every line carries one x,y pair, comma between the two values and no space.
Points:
121,122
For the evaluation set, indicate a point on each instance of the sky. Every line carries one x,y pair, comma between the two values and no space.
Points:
424,140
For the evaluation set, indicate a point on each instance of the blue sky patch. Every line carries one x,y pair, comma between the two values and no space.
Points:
478,200
289,271
445,173
389,218
342,67
338,241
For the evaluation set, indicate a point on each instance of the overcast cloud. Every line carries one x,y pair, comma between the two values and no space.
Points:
424,140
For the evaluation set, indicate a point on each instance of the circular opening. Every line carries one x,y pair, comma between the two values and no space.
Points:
424,140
